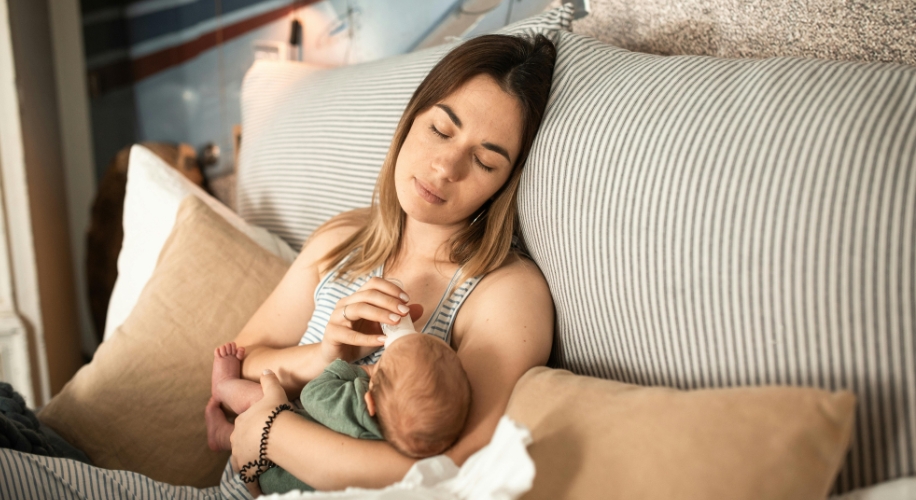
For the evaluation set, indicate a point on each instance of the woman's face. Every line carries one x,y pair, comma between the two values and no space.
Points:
458,153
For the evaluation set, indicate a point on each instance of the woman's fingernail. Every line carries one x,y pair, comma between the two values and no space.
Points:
404,297
404,309
267,371
382,339
394,317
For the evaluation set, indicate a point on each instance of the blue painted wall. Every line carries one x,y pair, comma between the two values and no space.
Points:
171,70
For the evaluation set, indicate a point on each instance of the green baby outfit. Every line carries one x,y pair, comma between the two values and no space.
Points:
336,400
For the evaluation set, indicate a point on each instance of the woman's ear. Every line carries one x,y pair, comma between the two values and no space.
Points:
370,403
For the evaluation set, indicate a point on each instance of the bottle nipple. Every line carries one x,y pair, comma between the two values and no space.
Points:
404,326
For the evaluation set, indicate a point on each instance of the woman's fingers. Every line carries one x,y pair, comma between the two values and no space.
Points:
353,330
270,385
387,287
373,305
346,336
354,311
249,425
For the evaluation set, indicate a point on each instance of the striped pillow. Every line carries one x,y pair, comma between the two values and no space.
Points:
315,141
710,222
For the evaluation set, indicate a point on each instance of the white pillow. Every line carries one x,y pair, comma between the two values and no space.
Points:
154,191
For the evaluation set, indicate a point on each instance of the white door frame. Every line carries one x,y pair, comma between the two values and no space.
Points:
20,306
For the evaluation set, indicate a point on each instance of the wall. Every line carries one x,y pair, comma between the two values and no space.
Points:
171,70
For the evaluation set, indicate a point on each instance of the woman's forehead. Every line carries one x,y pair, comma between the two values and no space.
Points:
482,105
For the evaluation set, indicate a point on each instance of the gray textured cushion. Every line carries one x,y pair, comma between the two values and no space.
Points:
851,30
712,222
314,141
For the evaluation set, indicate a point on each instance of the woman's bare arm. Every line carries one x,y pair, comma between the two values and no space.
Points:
504,329
313,453
327,460
272,335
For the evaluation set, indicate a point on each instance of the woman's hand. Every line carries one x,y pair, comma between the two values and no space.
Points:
246,437
354,329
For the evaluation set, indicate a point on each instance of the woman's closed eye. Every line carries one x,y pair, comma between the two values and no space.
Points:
476,159
436,131
481,165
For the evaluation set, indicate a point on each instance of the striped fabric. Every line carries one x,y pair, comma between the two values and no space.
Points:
34,477
332,288
315,141
710,222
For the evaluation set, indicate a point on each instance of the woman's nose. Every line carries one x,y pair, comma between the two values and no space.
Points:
450,165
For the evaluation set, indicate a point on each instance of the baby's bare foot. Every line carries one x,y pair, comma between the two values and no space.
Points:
218,427
226,365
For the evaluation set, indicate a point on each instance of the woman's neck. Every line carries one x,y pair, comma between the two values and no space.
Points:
426,243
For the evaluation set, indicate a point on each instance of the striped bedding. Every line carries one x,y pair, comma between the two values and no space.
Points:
34,477
702,222
709,222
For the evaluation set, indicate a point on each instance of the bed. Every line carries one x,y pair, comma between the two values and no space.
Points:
740,230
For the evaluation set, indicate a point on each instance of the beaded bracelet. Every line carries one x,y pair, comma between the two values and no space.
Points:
262,464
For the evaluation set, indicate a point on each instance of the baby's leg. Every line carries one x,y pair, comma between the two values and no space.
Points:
218,427
227,386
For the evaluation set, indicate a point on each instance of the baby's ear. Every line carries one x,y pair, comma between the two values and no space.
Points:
370,403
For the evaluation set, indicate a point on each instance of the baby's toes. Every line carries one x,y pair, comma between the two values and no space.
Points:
223,351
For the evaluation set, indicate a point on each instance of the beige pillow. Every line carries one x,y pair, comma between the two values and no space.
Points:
597,438
139,405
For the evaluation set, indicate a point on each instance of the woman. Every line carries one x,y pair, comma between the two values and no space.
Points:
442,221
444,206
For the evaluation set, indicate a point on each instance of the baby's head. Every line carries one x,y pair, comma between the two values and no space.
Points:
420,395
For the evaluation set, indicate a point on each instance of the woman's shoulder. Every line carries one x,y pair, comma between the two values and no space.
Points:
513,300
517,278
516,268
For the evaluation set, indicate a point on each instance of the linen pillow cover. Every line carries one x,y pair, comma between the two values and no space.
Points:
139,404
154,191
596,438
726,222
314,141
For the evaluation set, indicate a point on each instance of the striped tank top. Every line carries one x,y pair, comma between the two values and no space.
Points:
332,288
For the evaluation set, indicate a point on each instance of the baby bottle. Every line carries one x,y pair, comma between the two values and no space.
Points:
404,327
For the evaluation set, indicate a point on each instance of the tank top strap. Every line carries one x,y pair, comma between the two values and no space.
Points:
442,320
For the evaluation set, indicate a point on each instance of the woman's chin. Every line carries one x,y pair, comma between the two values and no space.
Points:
434,217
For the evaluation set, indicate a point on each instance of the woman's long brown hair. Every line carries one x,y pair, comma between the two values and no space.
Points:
523,68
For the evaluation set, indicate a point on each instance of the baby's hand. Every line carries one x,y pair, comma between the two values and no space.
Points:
369,369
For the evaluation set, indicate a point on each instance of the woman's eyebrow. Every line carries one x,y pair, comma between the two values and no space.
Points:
497,149
488,145
451,114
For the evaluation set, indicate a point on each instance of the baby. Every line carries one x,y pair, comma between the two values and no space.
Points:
417,392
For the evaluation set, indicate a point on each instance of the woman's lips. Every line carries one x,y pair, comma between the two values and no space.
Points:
427,193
